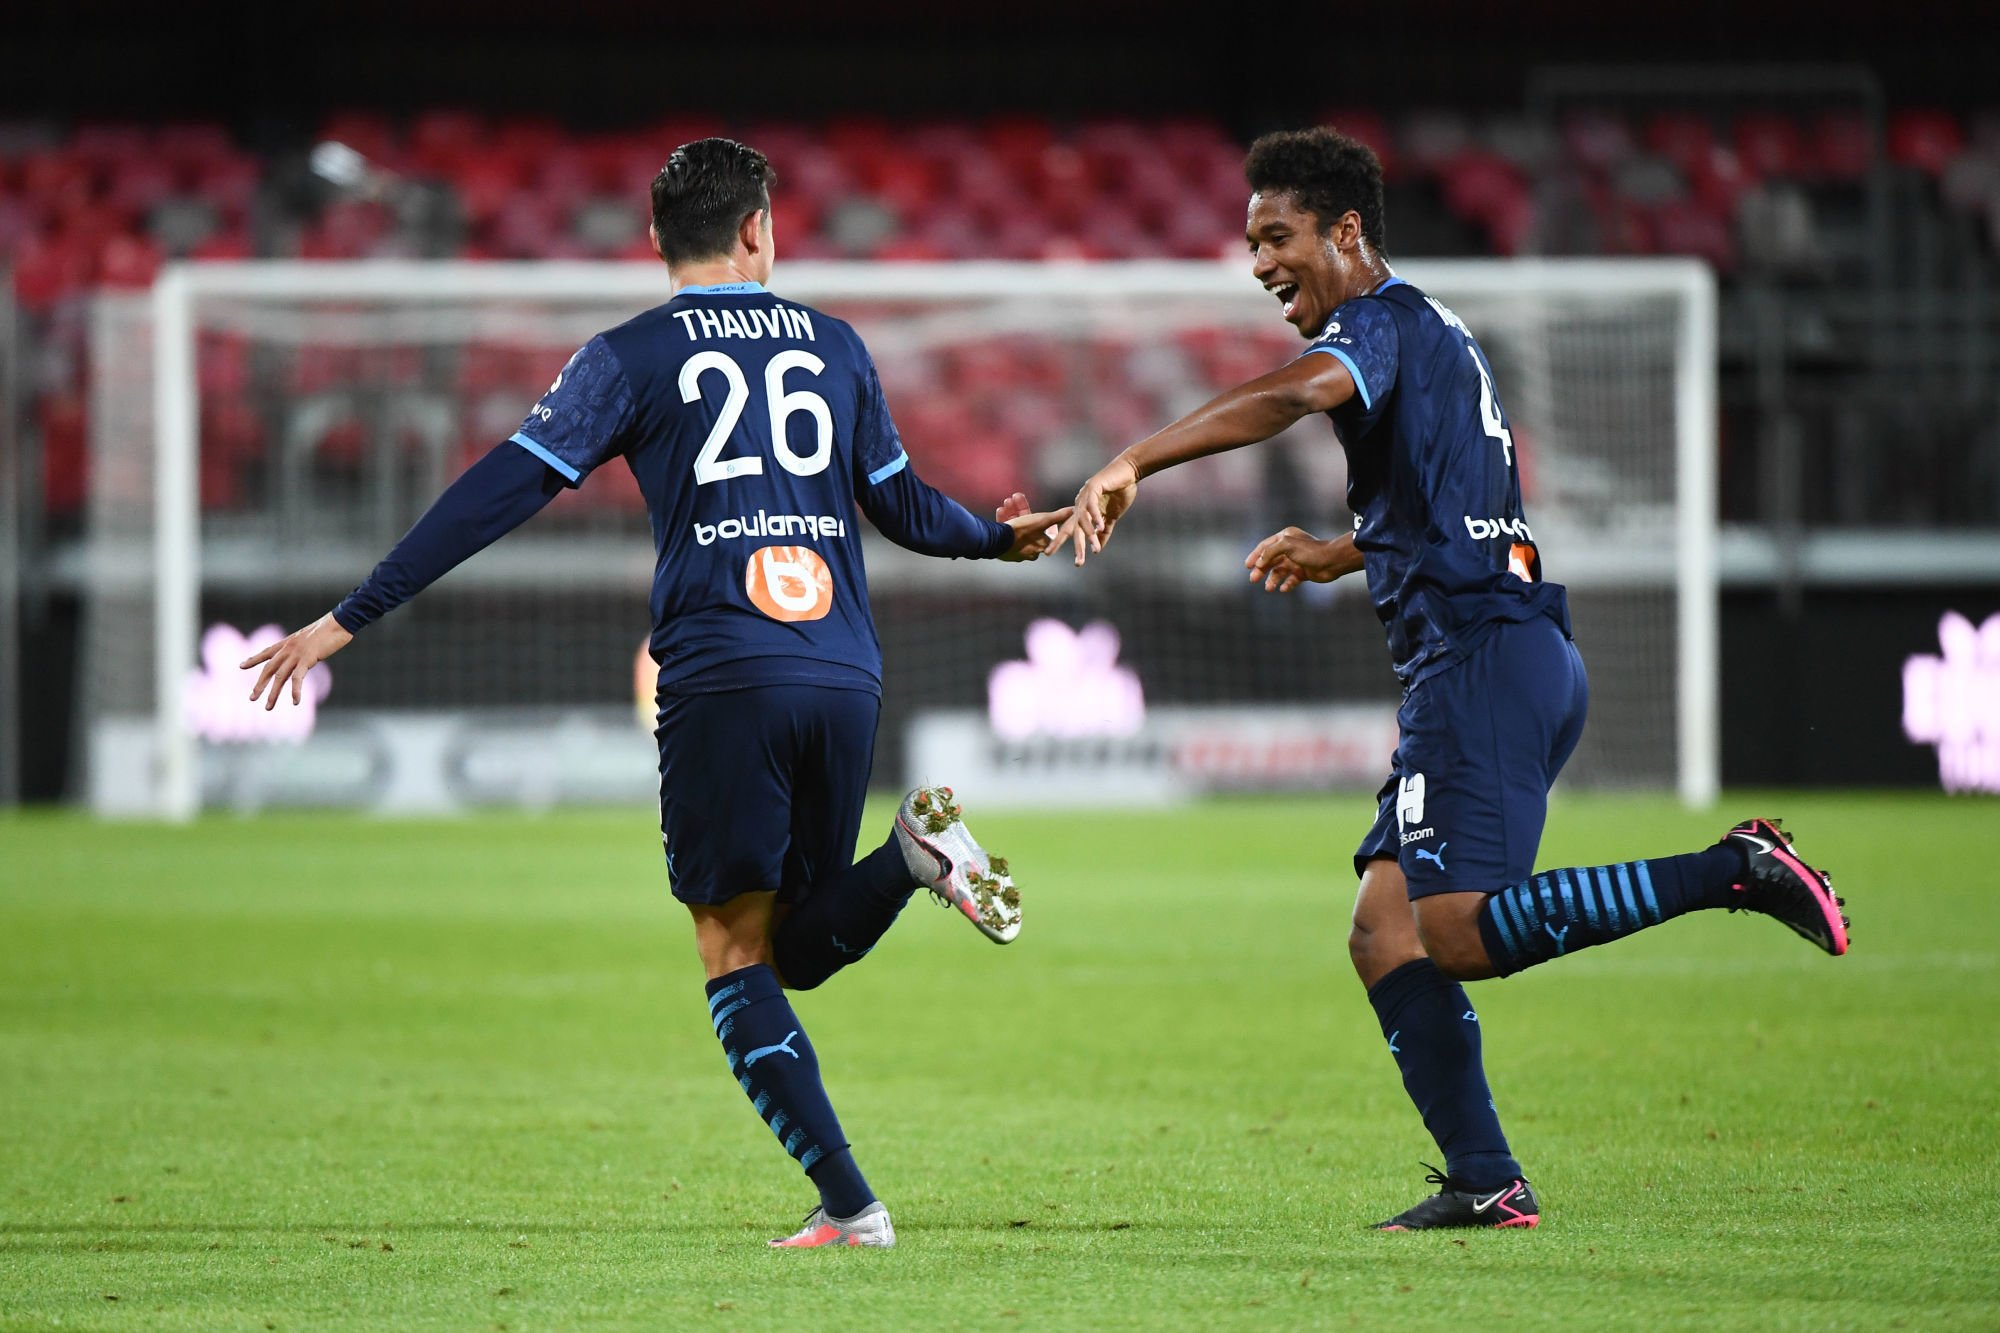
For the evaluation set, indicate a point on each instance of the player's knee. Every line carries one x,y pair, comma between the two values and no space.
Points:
797,969
1456,948
732,951
1367,950
1383,936
1359,947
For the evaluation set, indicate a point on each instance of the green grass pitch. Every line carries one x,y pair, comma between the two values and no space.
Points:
311,1072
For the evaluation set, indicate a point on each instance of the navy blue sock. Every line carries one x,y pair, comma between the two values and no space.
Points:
1434,1035
772,1060
1560,911
842,917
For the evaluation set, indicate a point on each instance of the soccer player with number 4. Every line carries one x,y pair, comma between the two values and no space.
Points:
754,425
1494,691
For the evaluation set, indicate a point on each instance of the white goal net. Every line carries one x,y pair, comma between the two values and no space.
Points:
263,432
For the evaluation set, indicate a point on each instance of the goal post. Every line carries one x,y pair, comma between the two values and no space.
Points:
1608,369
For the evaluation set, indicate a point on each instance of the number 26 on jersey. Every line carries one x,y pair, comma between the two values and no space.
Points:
709,464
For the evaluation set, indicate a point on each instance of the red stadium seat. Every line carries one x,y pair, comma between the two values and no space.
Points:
861,142
1598,140
1431,139
909,247
1024,235
440,140
1370,128
128,261
222,365
1718,181
135,187
1684,227
1488,191
942,142
60,183
1509,223
109,143
1114,232
1843,147
1203,232
232,429
186,147
486,186
994,199
816,173
1018,141
348,229
627,169
1928,140
951,230
1111,148
527,226
18,221
229,183
49,269
65,451
528,143
231,243
904,180
1772,145
1683,138
1036,419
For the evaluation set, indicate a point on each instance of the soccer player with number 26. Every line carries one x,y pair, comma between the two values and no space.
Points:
753,426
1494,691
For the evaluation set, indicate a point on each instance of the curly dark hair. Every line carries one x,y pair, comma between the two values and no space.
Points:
703,194
1327,172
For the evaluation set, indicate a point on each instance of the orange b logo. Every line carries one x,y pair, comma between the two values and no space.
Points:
789,583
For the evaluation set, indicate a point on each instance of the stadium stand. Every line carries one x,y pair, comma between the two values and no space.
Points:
1766,197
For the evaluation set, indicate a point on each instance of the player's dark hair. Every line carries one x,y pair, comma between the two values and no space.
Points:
703,194
1327,172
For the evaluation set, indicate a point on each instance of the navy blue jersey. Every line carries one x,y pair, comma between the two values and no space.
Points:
1432,480
753,425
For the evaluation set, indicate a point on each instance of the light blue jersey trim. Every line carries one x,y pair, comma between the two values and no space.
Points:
1391,281
720,289
1367,401
568,472
888,470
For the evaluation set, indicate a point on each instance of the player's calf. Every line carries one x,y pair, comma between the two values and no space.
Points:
842,918
1752,869
1448,926
1558,912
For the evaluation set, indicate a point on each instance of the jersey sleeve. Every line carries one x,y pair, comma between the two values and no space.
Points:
878,447
1362,336
497,494
581,421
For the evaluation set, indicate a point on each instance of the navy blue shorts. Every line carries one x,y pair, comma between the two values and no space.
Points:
761,788
1480,746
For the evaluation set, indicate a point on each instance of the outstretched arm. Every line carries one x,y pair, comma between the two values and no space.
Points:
913,514
494,496
1244,415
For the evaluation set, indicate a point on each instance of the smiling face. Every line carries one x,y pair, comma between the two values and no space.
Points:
1308,270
